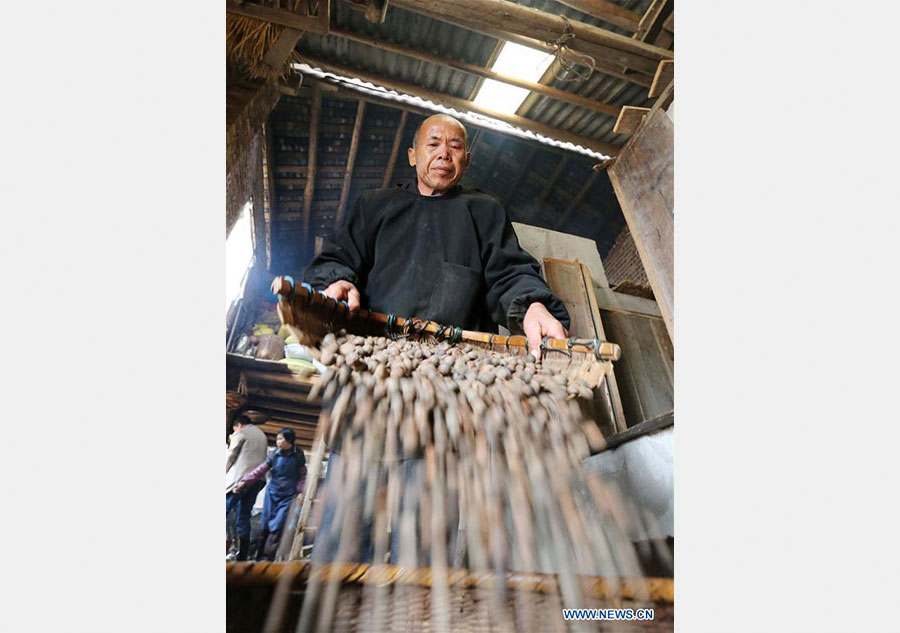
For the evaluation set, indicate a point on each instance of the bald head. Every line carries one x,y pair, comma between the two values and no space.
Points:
440,117
439,154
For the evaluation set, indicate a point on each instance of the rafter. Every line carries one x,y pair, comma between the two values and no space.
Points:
511,18
465,105
310,188
486,73
395,149
351,161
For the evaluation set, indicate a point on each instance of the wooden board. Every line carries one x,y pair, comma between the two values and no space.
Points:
541,243
630,119
664,74
643,179
645,371
571,282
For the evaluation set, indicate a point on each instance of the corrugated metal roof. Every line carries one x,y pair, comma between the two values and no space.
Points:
525,176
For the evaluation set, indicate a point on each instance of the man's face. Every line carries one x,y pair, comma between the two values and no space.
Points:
440,155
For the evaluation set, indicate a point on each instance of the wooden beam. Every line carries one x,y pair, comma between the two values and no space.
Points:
630,119
310,189
486,73
522,174
395,149
606,11
521,20
664,74
276,56
613,70
277,16
644,428
642,178
613,301
351,161
465,105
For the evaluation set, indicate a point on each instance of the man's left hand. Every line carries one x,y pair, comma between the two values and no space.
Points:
538,323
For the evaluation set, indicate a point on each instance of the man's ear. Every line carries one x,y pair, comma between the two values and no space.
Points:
411,154
468,158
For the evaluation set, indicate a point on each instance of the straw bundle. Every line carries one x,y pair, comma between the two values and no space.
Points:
248,40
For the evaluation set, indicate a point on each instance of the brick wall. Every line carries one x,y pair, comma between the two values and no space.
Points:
623,263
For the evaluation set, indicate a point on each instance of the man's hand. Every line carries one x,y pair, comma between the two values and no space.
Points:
344,290
238,487
538,323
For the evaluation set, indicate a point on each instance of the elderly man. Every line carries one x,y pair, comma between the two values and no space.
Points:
434,250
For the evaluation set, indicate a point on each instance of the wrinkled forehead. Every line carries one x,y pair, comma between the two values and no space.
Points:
441,128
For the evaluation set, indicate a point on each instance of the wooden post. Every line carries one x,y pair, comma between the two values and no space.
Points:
351,161
310,188
643,179
395,148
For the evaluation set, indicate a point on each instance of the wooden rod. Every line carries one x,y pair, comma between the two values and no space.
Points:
486,73
606,11
395,148
310,187
351,161
464,105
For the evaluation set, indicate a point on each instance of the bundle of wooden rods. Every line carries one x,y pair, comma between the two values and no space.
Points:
456,456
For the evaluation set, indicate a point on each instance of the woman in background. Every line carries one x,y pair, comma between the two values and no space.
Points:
287,465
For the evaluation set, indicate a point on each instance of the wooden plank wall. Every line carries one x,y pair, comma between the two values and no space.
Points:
643,178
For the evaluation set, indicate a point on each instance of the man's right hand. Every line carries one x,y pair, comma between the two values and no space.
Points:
344,290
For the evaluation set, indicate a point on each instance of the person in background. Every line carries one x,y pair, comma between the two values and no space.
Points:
246,451
287,465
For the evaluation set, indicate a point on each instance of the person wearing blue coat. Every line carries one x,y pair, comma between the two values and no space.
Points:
287,466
